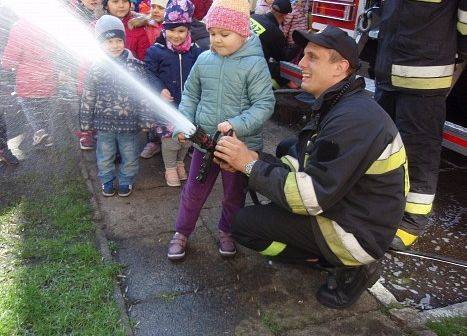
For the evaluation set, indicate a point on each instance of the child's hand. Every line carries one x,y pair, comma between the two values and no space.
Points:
165,94
224,127
181,138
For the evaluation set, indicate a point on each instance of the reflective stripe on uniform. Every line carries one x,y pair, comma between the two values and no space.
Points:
433,1
407,238
419,204
406,179
300,194
274,249
352,245
422,71
391,158
335,243
422,77
291,162
462,15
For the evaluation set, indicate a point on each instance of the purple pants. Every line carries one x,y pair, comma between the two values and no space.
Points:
194,195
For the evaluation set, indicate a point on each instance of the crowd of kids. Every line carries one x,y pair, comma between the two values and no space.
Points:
221,83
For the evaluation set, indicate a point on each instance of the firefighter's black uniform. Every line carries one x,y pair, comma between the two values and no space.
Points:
273,41
414,71
340,192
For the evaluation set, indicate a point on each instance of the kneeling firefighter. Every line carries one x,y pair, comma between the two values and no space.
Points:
338,190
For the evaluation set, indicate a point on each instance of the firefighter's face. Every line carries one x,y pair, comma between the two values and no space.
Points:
319,73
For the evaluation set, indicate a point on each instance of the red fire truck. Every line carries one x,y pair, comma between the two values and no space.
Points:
347,14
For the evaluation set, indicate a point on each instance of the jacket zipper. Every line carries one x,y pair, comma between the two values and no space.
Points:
181,75
219,92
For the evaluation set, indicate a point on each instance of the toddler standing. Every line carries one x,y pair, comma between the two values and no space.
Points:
170,61
114,109
229,87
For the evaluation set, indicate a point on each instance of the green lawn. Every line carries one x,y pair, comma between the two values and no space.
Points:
53,280
455,326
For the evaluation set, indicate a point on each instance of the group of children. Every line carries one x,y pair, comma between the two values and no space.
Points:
227,87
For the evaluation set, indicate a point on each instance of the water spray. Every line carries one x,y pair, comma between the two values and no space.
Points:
76,40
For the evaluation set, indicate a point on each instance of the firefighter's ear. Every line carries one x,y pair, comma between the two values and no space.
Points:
341,67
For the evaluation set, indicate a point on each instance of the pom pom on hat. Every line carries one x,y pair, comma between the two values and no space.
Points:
233,15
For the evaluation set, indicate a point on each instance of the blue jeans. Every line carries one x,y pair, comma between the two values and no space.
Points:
127,145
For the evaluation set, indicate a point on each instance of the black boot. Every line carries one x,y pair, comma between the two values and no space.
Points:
345,285
7,156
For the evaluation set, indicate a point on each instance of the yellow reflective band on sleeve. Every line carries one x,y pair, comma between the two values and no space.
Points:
334,243
432,1
422,83
462,28
256,27
274,249
394,161
418,209
292,195
291,162
407,238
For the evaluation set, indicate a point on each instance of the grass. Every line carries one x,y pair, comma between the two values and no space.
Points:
53,280
454,326
270,323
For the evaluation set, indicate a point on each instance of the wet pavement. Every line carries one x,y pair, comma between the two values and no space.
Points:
426,284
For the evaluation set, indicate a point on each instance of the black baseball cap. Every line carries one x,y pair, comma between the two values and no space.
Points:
331,38
282,6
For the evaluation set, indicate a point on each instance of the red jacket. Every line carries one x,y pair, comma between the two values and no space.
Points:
201,8
31,52
136,39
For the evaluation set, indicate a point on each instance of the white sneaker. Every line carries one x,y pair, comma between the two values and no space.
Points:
38,137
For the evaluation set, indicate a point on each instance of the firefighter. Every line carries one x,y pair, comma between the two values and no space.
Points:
273,41
339,193
414,71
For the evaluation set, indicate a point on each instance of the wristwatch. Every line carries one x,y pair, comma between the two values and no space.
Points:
249,167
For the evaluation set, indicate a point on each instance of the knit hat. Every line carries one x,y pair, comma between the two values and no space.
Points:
162,3
232,15
108,27
178,13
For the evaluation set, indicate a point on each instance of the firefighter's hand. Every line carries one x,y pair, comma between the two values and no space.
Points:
181,137
165,94
224,127
224,165
234,153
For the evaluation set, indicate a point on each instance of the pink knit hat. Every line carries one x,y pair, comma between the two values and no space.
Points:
232,15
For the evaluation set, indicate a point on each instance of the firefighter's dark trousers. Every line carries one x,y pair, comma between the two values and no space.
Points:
420,121
276,233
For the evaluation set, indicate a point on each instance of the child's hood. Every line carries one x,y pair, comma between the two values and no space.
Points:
251,47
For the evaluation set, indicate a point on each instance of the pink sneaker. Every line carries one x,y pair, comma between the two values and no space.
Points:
150,150
177,247
182,175
226,244
171,177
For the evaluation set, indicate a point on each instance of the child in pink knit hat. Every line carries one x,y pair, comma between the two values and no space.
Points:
229,88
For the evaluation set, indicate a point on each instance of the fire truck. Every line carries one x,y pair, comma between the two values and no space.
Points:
351,16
